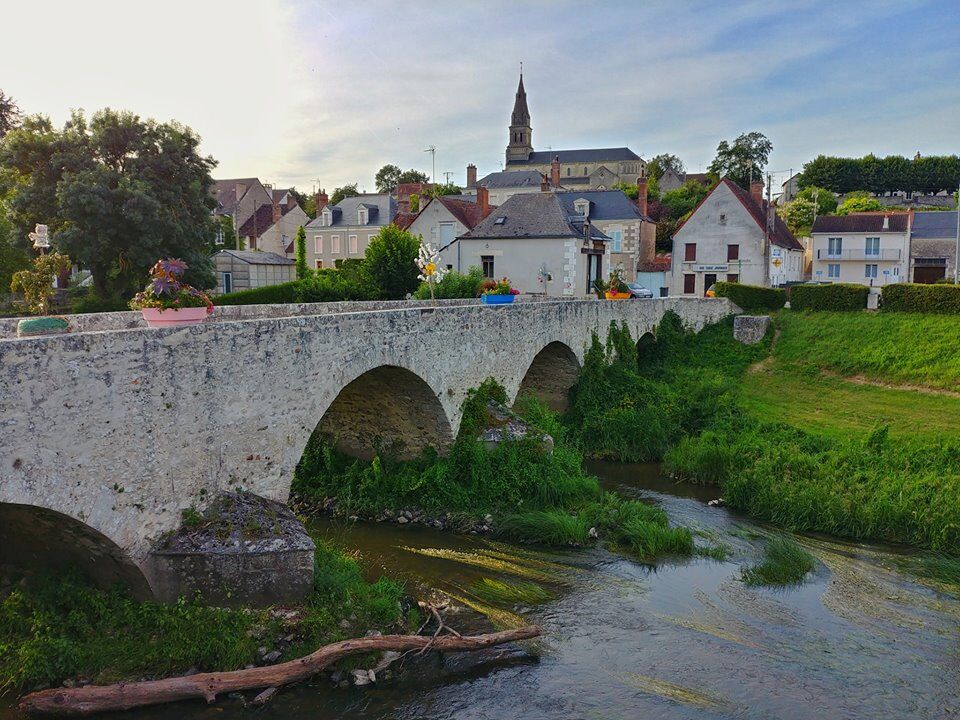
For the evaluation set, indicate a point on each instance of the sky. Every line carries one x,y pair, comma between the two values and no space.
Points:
316,93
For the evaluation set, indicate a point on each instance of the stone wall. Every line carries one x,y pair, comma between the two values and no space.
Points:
123,429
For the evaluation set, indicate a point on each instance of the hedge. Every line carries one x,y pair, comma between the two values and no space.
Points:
288,292
919,298
839,296
751,297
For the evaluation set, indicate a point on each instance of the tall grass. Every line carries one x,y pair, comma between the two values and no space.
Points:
784,563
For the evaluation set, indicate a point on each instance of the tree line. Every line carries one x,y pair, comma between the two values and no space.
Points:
928,175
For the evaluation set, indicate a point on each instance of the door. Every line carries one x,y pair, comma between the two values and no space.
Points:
227,282
929,273
708,280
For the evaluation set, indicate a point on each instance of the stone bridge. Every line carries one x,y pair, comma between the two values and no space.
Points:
109,433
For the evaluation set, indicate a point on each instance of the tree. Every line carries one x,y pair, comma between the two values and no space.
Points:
825,201
414,202
117,192
859,201
447,189
389,176
301,245
798,215
659,164
390,263
9,114
344,192
681,201
735,161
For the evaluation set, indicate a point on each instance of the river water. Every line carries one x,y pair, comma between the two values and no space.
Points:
623,640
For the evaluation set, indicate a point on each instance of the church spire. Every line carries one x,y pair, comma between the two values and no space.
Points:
521,134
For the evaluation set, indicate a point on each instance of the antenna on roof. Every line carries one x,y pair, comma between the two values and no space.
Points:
433,152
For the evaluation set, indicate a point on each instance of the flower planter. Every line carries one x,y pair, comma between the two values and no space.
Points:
157,317
33,327
617,296
496,299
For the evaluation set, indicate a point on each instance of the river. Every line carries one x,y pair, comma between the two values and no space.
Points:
680,640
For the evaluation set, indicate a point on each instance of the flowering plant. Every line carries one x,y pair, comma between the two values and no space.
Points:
165,291
617,284
499,287
428,262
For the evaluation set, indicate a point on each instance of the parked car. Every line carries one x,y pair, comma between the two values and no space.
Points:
637,290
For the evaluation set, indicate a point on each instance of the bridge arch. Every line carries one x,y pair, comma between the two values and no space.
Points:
39,539
550,375
386,407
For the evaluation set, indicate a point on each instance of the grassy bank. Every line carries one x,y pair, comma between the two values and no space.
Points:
61,627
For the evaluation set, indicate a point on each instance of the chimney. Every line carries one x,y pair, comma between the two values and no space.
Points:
471,175
555,171
544,183
756,192
240,190
886,222
483,200
642,195
322,200
277,211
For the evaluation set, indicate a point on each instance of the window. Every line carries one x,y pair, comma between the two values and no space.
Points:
318,243
733,277
582,208
733,252
872,246
448,232
352,244
487,262
723,218
568,172
689,283
227,282
690,252
584,169
326,218
870,270
833,270
500,220
319,264
362,215
834,246
335,244
617,237
219,239
896,269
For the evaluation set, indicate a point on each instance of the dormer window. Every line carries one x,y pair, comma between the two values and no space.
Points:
582,207
363,215
326,217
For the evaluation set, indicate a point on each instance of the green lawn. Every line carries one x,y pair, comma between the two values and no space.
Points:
900,348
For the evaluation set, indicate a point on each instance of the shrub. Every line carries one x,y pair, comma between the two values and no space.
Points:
914,297
90,303
454,285
335,286
784,563
751,297
270,294
839,296
391,264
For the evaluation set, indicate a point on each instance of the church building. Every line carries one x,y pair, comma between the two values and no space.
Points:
591,168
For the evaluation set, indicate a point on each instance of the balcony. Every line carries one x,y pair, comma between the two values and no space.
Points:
861,255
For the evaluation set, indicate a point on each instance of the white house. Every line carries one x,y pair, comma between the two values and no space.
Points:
727,238
343,231
532,240
866,248
443,219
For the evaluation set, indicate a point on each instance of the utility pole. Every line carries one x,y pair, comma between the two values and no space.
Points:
433,154
446,176
766,233
956,257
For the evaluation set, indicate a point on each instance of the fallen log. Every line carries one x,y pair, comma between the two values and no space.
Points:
93,699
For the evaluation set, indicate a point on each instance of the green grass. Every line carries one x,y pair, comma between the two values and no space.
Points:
510,593
547,527
902,348
784,563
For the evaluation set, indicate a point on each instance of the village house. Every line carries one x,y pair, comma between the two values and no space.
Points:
501,186
246,269
343,231
866,248
534,241
443,219
263,217
733,235
933,246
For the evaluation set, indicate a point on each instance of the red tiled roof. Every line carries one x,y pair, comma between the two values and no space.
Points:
403,220
469,213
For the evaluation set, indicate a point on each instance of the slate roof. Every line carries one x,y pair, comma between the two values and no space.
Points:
254,257
531,215
860,222
511,179
929,225
604,204
383,208
545,157
225,193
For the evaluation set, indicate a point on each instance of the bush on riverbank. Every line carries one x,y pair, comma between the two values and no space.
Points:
784,563
287,292
454,285
920,298
752,298
835,297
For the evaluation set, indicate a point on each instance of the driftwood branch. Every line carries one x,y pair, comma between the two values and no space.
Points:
93,699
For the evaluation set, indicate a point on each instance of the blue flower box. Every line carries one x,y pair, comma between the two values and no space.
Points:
497,299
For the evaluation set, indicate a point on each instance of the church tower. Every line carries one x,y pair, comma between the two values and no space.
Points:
521,140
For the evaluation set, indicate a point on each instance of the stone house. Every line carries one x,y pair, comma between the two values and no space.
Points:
866,248
266,218
246,269
443,219
343,231
933,246
733,235
533,240
501,186
632,233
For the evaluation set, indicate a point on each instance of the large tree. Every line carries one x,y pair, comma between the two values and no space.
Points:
118,193
389,176
342,192
659,164
680,202
9,114
390,263
745,156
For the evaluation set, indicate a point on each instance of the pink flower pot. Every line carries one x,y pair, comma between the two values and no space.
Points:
157,318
